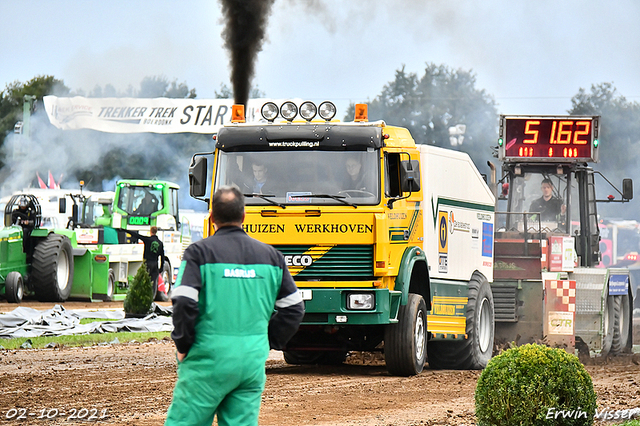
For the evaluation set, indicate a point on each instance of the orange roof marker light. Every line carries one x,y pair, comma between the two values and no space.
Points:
237,114
362,113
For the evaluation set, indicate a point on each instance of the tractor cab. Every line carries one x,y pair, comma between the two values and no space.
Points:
19,207
140,204
547,263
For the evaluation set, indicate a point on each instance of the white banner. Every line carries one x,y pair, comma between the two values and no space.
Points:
138,115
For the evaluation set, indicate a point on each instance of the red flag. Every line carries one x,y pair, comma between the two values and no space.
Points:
41,182
51,183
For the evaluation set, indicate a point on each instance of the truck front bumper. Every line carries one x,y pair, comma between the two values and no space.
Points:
338,306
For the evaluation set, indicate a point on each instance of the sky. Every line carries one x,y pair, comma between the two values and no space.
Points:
532,56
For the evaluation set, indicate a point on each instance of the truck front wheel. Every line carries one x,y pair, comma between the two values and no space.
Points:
52,269
474,352
405,343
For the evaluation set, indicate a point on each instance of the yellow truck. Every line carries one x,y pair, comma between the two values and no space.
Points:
390,243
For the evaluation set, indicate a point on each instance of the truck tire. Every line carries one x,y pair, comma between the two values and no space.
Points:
405,343
52,269
608,319
315,357
476,350
14,287
621,324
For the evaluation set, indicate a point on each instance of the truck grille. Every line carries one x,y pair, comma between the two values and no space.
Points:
335,263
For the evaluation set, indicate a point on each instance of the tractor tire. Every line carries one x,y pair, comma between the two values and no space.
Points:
476,350
14,287
405,343
621,324
52,269
111,286
608,327
315,357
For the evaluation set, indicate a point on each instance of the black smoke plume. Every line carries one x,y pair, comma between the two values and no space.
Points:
246,21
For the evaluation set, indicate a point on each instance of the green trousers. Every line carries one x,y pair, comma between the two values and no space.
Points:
224,377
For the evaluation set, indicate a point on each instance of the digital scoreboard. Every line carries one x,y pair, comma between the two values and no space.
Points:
548,138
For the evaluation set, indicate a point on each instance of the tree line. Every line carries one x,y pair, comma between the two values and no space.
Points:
428,104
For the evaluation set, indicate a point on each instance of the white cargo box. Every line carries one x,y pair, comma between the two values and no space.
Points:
459,215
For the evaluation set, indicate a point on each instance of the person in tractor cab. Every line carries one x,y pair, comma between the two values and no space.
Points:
549,207
148,205
25,214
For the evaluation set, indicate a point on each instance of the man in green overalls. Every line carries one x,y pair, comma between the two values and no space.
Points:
234,299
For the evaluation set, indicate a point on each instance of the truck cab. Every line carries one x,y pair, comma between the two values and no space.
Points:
347,206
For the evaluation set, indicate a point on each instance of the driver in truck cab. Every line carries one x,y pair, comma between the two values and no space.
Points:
357,179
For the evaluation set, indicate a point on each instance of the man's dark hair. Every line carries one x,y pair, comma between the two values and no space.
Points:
547,180
228,205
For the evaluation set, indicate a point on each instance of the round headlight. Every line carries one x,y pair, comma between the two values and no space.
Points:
308,110
289,110
269,111
327,110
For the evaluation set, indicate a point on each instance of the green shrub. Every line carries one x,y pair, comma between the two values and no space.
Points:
535,385
140,295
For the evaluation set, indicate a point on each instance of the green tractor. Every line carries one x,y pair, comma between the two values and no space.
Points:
33,260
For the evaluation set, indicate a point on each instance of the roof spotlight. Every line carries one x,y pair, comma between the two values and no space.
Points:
327,110
308,110
289,110
269,111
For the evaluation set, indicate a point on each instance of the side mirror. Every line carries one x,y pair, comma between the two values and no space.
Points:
198,176
62,205
410,175
627,189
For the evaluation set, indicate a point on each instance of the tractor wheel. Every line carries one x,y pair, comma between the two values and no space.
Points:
166,278
52,269
315,357
111,286
14,287
476,350
405,343
608,319
621,324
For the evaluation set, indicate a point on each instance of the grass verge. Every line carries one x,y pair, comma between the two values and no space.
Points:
82,339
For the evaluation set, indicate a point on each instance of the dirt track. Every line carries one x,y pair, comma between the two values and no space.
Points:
132,383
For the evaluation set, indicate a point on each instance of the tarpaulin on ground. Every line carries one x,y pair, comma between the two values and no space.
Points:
151,115
28,322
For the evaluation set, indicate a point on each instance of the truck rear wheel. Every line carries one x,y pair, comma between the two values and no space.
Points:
476,350
621,324
52,269
405,343
14,287
315,357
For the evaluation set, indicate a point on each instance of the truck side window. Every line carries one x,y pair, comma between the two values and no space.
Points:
392,175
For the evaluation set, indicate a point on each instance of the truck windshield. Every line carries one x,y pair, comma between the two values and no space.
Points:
140,200
303,177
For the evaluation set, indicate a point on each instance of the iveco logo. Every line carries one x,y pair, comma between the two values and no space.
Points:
298,260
